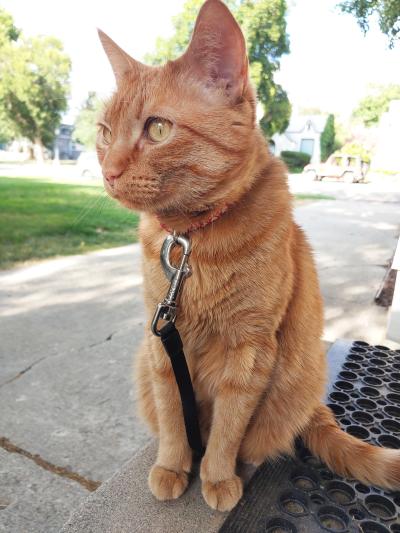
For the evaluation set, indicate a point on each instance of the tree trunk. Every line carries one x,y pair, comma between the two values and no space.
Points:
38,150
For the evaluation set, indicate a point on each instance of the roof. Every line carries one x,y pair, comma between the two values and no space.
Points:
299,123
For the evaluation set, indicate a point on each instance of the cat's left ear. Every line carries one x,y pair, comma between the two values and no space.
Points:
217,51
121,62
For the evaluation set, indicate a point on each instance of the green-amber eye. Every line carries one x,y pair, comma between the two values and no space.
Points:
158,129
104,133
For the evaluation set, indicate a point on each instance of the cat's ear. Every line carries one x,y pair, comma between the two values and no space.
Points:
121,62
217,51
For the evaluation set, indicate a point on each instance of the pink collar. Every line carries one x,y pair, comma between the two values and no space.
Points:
214,216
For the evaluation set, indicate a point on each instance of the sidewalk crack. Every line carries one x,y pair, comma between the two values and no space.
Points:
61,471
103,341
24,371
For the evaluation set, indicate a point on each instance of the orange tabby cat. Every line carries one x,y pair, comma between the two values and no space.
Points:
180,143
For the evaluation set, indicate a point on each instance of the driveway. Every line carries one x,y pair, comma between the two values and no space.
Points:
69,328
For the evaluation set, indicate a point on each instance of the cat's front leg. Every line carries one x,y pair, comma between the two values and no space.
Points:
168,477
245,378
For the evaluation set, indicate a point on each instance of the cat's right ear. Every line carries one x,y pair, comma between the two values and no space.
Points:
120,61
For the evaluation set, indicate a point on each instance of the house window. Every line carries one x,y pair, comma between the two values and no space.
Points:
307,146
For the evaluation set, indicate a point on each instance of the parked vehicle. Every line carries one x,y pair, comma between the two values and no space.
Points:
88,165
349,168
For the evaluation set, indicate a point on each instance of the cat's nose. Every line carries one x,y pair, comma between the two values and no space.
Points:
112,174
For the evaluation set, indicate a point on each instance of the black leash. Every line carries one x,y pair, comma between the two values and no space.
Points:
172,342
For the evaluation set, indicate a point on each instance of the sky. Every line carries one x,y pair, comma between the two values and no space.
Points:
329,67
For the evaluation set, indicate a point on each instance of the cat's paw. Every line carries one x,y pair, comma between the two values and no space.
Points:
223,495
167,484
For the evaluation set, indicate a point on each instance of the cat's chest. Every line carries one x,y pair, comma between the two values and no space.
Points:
209,292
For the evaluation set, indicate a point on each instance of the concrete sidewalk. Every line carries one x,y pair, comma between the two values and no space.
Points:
69,328
353,244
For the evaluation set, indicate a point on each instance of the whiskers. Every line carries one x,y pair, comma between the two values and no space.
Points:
96,205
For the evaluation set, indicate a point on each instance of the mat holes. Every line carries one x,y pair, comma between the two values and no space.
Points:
357,514
391,425
340,493
332,518
361,488
388,441
380,507
373,527
294,502
280,525
358,431
362,418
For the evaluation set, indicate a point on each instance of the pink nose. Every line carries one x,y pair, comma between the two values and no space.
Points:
112,175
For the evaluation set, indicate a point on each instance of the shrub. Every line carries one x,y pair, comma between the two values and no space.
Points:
295,161
327,140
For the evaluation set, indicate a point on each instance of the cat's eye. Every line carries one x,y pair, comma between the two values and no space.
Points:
158,129
105,133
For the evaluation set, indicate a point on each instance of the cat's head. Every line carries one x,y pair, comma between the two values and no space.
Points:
175,138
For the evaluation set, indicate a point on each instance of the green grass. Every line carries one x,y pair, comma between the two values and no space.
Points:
40,219
311,196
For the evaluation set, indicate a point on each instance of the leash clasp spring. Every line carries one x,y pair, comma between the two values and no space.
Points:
167,309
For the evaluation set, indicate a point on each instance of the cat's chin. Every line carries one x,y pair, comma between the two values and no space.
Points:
136,204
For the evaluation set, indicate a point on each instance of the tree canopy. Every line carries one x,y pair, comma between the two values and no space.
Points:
264,26
371,108
8,32
386,11
34,84
85,123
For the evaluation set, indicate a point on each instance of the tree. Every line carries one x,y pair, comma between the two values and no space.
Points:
327,140
34,86
85,123
371,108
387,11
8,33
264,26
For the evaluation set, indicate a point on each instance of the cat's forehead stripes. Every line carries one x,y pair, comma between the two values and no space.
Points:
130,106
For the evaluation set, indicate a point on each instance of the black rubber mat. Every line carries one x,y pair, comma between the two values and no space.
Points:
301,495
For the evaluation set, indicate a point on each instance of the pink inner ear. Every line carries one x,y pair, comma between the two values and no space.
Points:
217,51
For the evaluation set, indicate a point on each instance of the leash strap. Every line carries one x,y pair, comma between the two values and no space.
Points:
172,343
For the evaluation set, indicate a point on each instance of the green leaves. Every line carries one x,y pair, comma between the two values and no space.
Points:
34,85
387,12
327,140
371,108
85,124
264,25
8,32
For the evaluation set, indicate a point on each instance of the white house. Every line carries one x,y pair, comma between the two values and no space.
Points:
302,135
386,156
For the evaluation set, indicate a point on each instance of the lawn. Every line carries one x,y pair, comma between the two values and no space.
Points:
310,196
40,219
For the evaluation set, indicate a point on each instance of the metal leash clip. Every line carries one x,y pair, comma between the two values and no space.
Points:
166,310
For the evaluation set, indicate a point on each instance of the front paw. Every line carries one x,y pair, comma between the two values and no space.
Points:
223,495
167,484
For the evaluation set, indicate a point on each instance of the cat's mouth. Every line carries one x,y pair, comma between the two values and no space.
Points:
137,193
